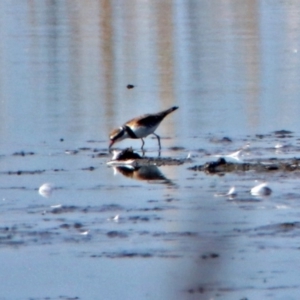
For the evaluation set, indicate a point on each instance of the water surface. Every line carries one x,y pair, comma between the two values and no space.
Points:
232,67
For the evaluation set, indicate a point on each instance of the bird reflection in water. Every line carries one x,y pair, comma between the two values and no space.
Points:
147,173
126,163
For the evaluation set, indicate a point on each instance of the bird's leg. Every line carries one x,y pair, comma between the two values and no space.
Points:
143,151
158,138
143,143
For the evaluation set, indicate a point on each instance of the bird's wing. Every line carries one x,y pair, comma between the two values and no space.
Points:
146,120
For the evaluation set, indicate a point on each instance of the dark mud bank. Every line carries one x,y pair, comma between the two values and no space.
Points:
266,165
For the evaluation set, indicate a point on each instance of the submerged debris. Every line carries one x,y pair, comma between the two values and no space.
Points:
23,153
225,140
24,172
126,154
128,157
283,133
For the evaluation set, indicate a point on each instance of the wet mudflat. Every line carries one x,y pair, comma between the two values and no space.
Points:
215,216
173,223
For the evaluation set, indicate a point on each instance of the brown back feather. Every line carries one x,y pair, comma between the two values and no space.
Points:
152,119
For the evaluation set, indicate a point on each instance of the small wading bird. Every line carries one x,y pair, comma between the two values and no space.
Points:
140,127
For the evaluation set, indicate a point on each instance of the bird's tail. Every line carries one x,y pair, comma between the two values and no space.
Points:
168,111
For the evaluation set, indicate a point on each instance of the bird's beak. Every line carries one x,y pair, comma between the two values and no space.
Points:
111,143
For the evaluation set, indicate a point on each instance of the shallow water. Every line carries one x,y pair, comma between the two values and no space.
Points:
233,70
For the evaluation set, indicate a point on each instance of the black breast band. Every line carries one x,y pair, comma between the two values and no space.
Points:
130,132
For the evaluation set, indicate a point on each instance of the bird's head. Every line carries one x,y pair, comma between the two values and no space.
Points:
116,135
